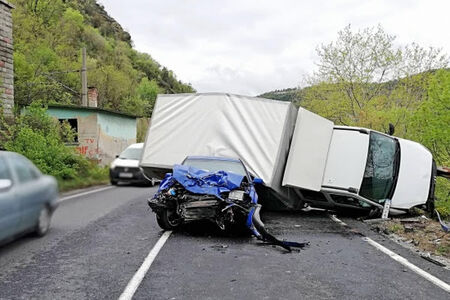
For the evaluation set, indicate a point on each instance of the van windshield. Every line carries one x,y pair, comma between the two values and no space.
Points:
131,153
381,168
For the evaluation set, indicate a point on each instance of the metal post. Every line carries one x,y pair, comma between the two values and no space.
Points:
84,98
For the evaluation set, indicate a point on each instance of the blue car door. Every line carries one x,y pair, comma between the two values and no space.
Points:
9,204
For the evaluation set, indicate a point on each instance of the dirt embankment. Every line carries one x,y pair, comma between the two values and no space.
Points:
421,233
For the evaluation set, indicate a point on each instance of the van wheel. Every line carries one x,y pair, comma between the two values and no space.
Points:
43,224
168,219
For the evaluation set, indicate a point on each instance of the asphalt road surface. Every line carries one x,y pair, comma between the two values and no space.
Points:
100,239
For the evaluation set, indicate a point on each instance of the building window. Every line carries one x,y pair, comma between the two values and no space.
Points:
70,130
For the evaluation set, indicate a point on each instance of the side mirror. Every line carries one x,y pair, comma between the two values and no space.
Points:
391,129
5,184
117,155
257,180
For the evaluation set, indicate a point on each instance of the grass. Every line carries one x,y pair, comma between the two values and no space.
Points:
395,228
95,176
443,197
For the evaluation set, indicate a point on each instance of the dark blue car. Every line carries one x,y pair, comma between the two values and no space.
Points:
27,197
217,189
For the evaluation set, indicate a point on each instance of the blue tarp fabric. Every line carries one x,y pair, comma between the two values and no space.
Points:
202,182
209,183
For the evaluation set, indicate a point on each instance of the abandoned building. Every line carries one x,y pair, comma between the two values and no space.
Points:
101,134
6,59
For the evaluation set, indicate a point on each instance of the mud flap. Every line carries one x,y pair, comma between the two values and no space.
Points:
257,227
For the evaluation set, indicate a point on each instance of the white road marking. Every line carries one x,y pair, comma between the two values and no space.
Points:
402,260
134,283
85,193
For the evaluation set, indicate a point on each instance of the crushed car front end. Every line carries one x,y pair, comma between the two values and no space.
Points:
190,194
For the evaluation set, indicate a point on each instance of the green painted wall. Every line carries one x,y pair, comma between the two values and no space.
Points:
117,126
111,124
68,113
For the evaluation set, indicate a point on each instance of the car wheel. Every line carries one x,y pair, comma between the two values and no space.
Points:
43,224
168,219
114,182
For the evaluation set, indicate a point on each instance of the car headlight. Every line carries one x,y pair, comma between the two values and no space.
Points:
112,165
236,195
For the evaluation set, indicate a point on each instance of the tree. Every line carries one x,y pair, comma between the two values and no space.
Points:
366,80
430,122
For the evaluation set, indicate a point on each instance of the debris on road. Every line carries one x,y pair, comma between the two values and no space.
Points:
430,259
444,226
419,233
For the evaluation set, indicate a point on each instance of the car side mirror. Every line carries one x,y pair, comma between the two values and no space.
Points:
257,180
5,184
117,155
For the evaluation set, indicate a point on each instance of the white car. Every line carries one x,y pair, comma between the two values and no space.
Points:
125,168
352,167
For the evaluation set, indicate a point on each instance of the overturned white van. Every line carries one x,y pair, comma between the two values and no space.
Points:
350,167
300,156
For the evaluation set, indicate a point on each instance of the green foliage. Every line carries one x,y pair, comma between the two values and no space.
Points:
363,79
443,197
430,122
37,136
142,127
48,37
291,95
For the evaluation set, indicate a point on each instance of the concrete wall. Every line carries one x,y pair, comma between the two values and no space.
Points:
6,59
101,135
116,132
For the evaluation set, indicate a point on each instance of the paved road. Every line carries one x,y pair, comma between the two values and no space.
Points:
99,240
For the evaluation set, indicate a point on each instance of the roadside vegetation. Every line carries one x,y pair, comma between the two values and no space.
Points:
48,38
364,79
42,139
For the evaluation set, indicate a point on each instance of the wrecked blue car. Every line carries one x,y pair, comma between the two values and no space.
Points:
216,189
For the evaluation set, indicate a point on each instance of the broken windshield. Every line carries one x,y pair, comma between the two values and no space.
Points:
212,165
381,168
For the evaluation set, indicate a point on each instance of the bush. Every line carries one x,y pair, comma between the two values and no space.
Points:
39,137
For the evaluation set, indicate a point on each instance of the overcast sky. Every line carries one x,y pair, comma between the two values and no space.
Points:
253,46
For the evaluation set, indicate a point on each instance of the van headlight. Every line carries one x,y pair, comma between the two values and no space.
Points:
236,195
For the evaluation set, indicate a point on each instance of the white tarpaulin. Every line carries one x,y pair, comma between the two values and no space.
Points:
256,130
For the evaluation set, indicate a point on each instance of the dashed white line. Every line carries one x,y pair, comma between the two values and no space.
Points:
401,260
134,283
85,193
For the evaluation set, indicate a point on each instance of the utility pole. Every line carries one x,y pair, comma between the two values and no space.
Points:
84,98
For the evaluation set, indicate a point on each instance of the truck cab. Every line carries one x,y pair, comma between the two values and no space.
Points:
352,167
